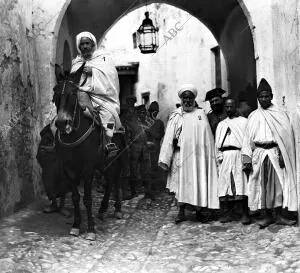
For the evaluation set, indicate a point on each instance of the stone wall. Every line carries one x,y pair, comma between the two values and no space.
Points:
276,41
19,107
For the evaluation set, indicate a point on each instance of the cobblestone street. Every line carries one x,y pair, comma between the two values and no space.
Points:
145,240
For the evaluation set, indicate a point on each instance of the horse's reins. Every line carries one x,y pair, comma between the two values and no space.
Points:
75,108
87,133
80,140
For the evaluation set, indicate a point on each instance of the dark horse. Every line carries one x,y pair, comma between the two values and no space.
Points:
80,146
79,142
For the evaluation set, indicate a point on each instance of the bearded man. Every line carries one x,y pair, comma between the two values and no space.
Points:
217,112
99,82
188,154
232,182
295,118
269,156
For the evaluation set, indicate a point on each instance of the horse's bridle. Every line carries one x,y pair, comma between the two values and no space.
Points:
76,104
90,129
79,140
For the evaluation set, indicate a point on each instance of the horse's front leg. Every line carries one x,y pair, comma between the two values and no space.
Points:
118,212
87,200
77,216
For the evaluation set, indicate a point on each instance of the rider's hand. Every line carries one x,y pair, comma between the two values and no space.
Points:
87,88
87,70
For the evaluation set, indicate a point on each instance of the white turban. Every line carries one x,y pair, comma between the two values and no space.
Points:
187,87
84,34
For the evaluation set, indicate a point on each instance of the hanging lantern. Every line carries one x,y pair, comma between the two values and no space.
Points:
147,36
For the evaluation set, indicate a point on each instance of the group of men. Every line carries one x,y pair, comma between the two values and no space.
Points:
222,158
144,132
212,160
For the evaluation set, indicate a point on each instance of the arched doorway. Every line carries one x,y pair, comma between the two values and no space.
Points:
187,53
225,19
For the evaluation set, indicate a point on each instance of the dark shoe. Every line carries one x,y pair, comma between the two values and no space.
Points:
226,208
102,214
266,222
245,220
148,196
280,220
129,197
200,217
180,218
225,219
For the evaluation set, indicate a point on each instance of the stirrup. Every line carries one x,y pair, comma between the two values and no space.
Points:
112,149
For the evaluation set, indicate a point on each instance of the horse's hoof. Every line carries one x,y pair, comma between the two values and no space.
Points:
118,215
148,202
91,236
102,215
74,232
51,209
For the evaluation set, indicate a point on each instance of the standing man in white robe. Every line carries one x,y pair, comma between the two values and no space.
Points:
99,81
295,117
269,156
188,154
232,182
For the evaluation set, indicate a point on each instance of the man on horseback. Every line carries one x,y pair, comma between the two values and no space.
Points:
99,84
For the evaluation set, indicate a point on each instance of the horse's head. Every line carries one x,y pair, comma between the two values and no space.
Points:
66,100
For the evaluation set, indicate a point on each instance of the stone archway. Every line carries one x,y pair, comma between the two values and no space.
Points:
276,49
227,22
96,16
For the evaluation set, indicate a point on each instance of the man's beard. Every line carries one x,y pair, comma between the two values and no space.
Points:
86,54
217,108
231,114
188,107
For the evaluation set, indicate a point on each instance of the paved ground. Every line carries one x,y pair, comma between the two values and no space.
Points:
146,240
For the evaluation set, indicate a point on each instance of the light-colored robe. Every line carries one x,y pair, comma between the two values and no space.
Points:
232,159
295,118
192,170
103,87
265,126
